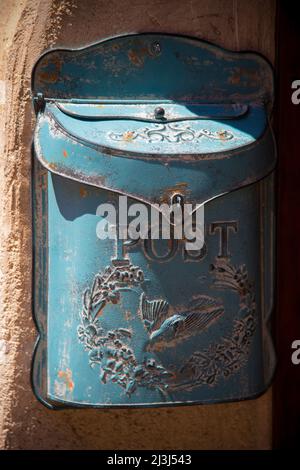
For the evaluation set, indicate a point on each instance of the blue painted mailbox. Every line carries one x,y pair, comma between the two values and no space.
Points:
138,322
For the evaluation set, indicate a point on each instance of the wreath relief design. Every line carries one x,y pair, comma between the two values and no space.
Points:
111,349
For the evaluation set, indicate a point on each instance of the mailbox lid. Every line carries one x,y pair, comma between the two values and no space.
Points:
184,129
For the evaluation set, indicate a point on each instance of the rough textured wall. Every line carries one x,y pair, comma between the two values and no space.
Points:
27,27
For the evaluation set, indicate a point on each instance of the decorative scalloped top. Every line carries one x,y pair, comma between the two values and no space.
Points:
154,66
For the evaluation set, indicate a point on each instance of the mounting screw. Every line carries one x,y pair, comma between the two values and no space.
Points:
39,102
155,48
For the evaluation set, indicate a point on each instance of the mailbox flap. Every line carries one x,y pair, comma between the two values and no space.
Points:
149,115
155,171
183,129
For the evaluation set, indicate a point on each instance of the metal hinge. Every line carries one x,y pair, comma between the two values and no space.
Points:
39,102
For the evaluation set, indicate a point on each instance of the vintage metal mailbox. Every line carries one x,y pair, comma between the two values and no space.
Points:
156,118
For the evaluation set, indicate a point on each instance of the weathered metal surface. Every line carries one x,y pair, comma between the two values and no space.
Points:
153,117
127,68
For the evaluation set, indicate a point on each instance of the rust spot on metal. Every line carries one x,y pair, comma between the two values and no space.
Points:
48,77
83,191
137,56
235,78
181,188
128,136
52,166
249,77
66,376
99,313
178,187
222,134
134,58
51,76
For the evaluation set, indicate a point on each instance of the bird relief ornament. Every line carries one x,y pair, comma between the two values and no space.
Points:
112,351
